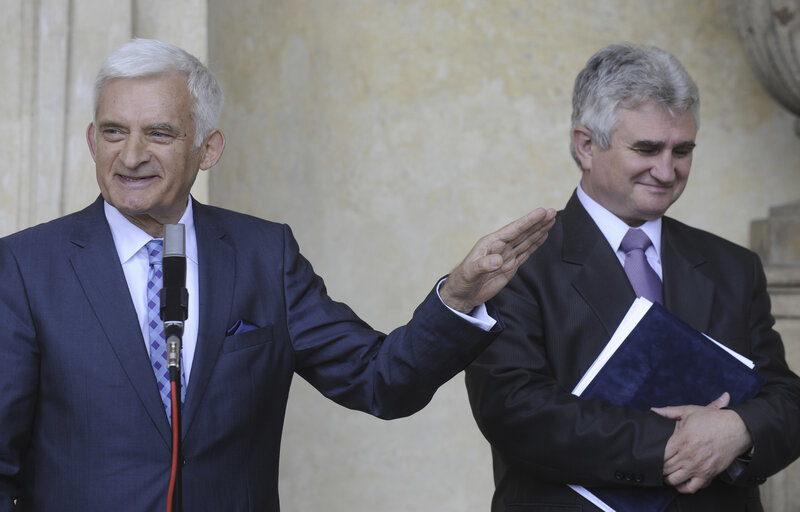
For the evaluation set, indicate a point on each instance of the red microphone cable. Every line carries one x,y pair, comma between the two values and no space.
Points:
173,477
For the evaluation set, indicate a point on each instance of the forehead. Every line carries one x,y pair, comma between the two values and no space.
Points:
151,98
653,122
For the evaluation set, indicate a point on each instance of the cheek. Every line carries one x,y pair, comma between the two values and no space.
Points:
684,167
104,159
682,171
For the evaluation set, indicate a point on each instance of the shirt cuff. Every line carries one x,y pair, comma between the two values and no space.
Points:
478,317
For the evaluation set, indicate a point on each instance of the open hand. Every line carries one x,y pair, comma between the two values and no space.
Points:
494,260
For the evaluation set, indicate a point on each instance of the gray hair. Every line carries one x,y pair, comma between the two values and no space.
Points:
625,75
148,57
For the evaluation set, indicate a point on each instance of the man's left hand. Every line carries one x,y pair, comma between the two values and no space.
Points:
494,260
705,442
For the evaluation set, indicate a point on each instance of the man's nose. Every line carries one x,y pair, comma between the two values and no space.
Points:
134,152
663,168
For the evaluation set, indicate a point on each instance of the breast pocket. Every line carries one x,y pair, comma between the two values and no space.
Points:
248,339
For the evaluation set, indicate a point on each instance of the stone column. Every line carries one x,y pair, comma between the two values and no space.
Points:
777,240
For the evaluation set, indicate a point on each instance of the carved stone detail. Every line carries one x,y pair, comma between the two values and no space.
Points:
770,31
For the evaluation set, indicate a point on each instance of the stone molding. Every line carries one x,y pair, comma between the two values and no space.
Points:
770,31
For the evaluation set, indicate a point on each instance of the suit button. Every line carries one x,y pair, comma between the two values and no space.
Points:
619,475
639,478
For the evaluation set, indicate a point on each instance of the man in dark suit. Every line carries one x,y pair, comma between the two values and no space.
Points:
635,116
83,424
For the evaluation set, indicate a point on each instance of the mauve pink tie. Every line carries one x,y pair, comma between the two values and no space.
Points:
644,279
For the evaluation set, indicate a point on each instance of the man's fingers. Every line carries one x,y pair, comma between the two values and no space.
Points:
674,413
513,243
692,486
516,232
677,412
684,482
527,222
675,477
723,401
542,220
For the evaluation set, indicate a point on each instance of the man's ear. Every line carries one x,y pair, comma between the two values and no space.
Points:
582,142
212,149
90,139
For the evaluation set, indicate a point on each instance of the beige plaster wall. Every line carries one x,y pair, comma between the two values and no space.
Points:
391,134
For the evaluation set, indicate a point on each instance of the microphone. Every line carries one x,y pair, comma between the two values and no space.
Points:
174,296
174,309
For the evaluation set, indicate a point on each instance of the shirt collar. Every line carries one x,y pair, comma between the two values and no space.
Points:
129,238
614,228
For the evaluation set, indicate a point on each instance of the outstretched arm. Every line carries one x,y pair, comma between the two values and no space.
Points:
494,260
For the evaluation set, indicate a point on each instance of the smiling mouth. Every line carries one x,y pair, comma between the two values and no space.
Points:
130,179
656,186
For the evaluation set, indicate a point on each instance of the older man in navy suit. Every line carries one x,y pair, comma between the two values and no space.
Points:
83,425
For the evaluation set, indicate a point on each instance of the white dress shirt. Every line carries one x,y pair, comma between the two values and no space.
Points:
614,228
130,242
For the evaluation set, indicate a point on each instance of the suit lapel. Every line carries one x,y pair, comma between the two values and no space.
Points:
216,274
601,281
605,287
687,292
99,271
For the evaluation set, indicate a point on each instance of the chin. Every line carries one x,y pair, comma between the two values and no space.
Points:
654,210
652,215
129,208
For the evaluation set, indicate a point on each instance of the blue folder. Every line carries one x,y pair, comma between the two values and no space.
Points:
655,359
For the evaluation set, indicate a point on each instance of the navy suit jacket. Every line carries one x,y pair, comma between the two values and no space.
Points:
82,427
559,312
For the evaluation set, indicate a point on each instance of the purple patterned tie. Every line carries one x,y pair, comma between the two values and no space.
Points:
158,344
643,278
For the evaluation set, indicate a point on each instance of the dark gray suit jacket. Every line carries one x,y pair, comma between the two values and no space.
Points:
82,427
559,312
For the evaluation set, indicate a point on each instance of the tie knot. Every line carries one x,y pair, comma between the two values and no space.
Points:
155,248
635,239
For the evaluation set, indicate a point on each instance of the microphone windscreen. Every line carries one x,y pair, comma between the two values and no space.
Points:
174,240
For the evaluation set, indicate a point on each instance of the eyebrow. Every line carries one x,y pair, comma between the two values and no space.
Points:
167,128
159,127
659,145
102,125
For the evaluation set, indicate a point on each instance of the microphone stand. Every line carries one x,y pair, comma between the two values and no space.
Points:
174,309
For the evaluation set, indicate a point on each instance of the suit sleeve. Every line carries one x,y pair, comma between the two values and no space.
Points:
19,360
772,417
387,376
520,393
